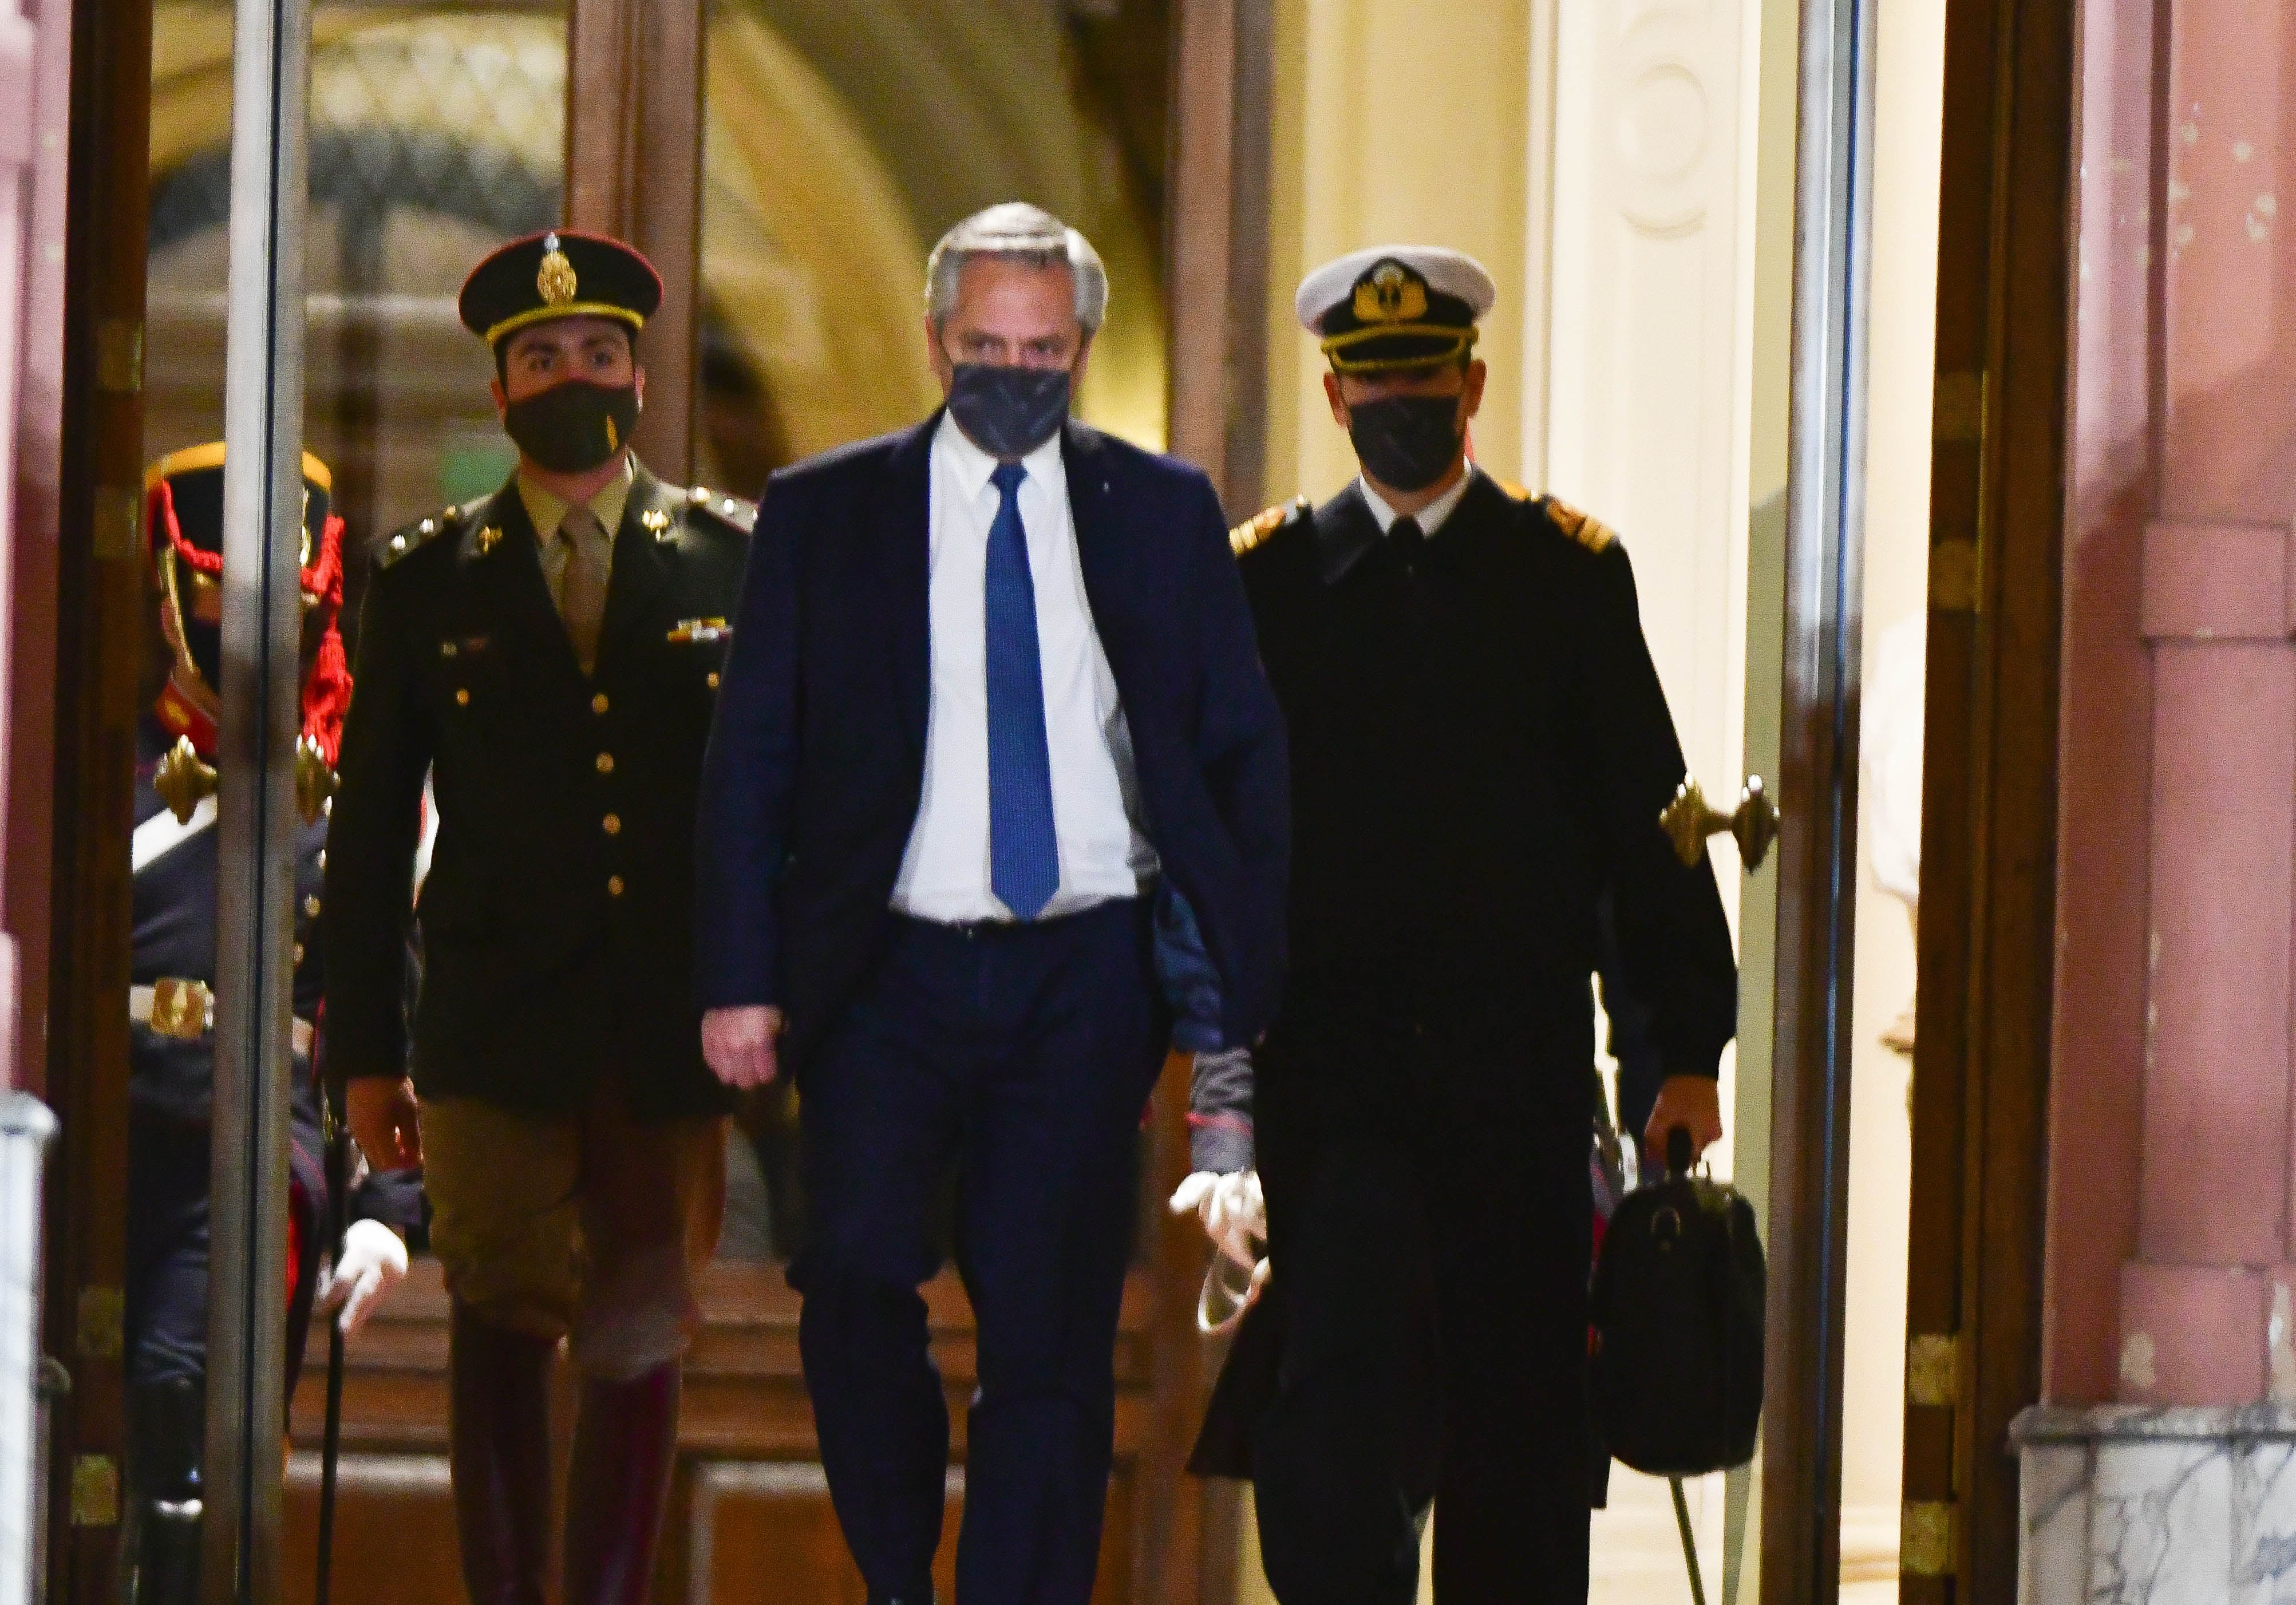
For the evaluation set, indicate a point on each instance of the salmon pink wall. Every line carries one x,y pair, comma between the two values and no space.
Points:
2171,1142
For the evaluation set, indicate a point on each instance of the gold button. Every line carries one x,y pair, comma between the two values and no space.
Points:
613,823
311,907
323,861
299,953
713,679
613,886
605,763
598,703
462,696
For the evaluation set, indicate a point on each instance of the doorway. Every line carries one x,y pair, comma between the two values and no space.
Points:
802,324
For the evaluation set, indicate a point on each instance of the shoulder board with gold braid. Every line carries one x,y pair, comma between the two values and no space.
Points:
1257,528
733,511
416,536
1587,530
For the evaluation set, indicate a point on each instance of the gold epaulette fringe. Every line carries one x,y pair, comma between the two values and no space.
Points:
1588,531
1256,528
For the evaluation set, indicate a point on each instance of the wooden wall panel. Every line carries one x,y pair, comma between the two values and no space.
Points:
1987,942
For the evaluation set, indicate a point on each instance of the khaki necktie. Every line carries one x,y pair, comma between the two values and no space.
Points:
582,586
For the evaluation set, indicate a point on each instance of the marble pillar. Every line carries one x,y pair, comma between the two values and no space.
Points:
2130,1505
2159,1469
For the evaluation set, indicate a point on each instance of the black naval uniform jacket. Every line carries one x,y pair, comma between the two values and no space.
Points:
1479,749
171,1077
555,922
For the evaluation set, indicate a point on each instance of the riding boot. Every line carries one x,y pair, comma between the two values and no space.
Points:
498,1432
624,1445
167,1433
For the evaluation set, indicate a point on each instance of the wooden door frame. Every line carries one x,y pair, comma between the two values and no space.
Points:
634,123
100,629
1986,947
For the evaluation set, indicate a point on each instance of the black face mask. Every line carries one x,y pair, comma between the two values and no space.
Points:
1406,442
574,427
1008,412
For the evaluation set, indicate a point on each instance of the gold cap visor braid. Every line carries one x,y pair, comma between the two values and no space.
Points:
1457,343
539,315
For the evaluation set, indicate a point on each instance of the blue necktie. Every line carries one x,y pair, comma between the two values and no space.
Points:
1024,853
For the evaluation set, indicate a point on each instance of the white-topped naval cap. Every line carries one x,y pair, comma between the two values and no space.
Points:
1451,273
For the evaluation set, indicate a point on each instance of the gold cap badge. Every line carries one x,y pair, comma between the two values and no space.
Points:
1390,295
555,281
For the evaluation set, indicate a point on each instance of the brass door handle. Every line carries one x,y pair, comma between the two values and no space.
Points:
1688,822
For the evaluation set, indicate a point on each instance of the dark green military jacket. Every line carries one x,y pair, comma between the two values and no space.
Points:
555,922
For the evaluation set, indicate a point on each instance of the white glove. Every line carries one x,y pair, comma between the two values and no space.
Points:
373,1261
1233,1209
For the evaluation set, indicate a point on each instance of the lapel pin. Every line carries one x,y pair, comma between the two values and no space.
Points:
655,519
488,538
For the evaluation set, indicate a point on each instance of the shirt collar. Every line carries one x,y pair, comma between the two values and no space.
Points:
973,466
547,512
1430,518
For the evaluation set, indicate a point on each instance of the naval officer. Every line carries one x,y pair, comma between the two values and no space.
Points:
1480,752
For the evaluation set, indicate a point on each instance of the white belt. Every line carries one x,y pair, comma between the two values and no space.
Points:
185,1011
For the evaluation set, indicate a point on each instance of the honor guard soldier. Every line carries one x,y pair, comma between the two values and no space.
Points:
171,1003
1480,752
549,657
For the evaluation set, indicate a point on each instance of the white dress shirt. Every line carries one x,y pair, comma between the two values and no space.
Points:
1430,517
944,874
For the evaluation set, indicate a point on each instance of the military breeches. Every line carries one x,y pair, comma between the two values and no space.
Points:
1434,1279
591,1224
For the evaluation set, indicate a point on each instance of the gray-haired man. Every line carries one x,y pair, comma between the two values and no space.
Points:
993,691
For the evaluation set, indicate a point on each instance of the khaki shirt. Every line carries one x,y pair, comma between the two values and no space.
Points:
547,513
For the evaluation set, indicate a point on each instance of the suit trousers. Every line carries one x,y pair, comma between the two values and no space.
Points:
1433,1269
1019,1059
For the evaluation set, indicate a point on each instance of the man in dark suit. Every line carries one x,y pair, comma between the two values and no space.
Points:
1481,751
548,657
993,691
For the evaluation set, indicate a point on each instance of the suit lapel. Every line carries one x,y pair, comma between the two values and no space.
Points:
1101,550
904,558
642,566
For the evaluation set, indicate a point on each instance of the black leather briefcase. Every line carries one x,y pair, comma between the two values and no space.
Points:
1677,1317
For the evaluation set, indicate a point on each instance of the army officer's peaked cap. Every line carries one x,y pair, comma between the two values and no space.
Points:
1395,307
561,274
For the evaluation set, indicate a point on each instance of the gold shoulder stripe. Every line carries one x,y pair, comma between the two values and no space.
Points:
1588,531
1256,528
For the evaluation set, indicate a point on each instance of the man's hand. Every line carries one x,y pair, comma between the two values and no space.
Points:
385,1121
372,1262
742,1045
1693,1102
1233,1209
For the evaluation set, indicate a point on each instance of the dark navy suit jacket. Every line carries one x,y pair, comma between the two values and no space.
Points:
816,759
